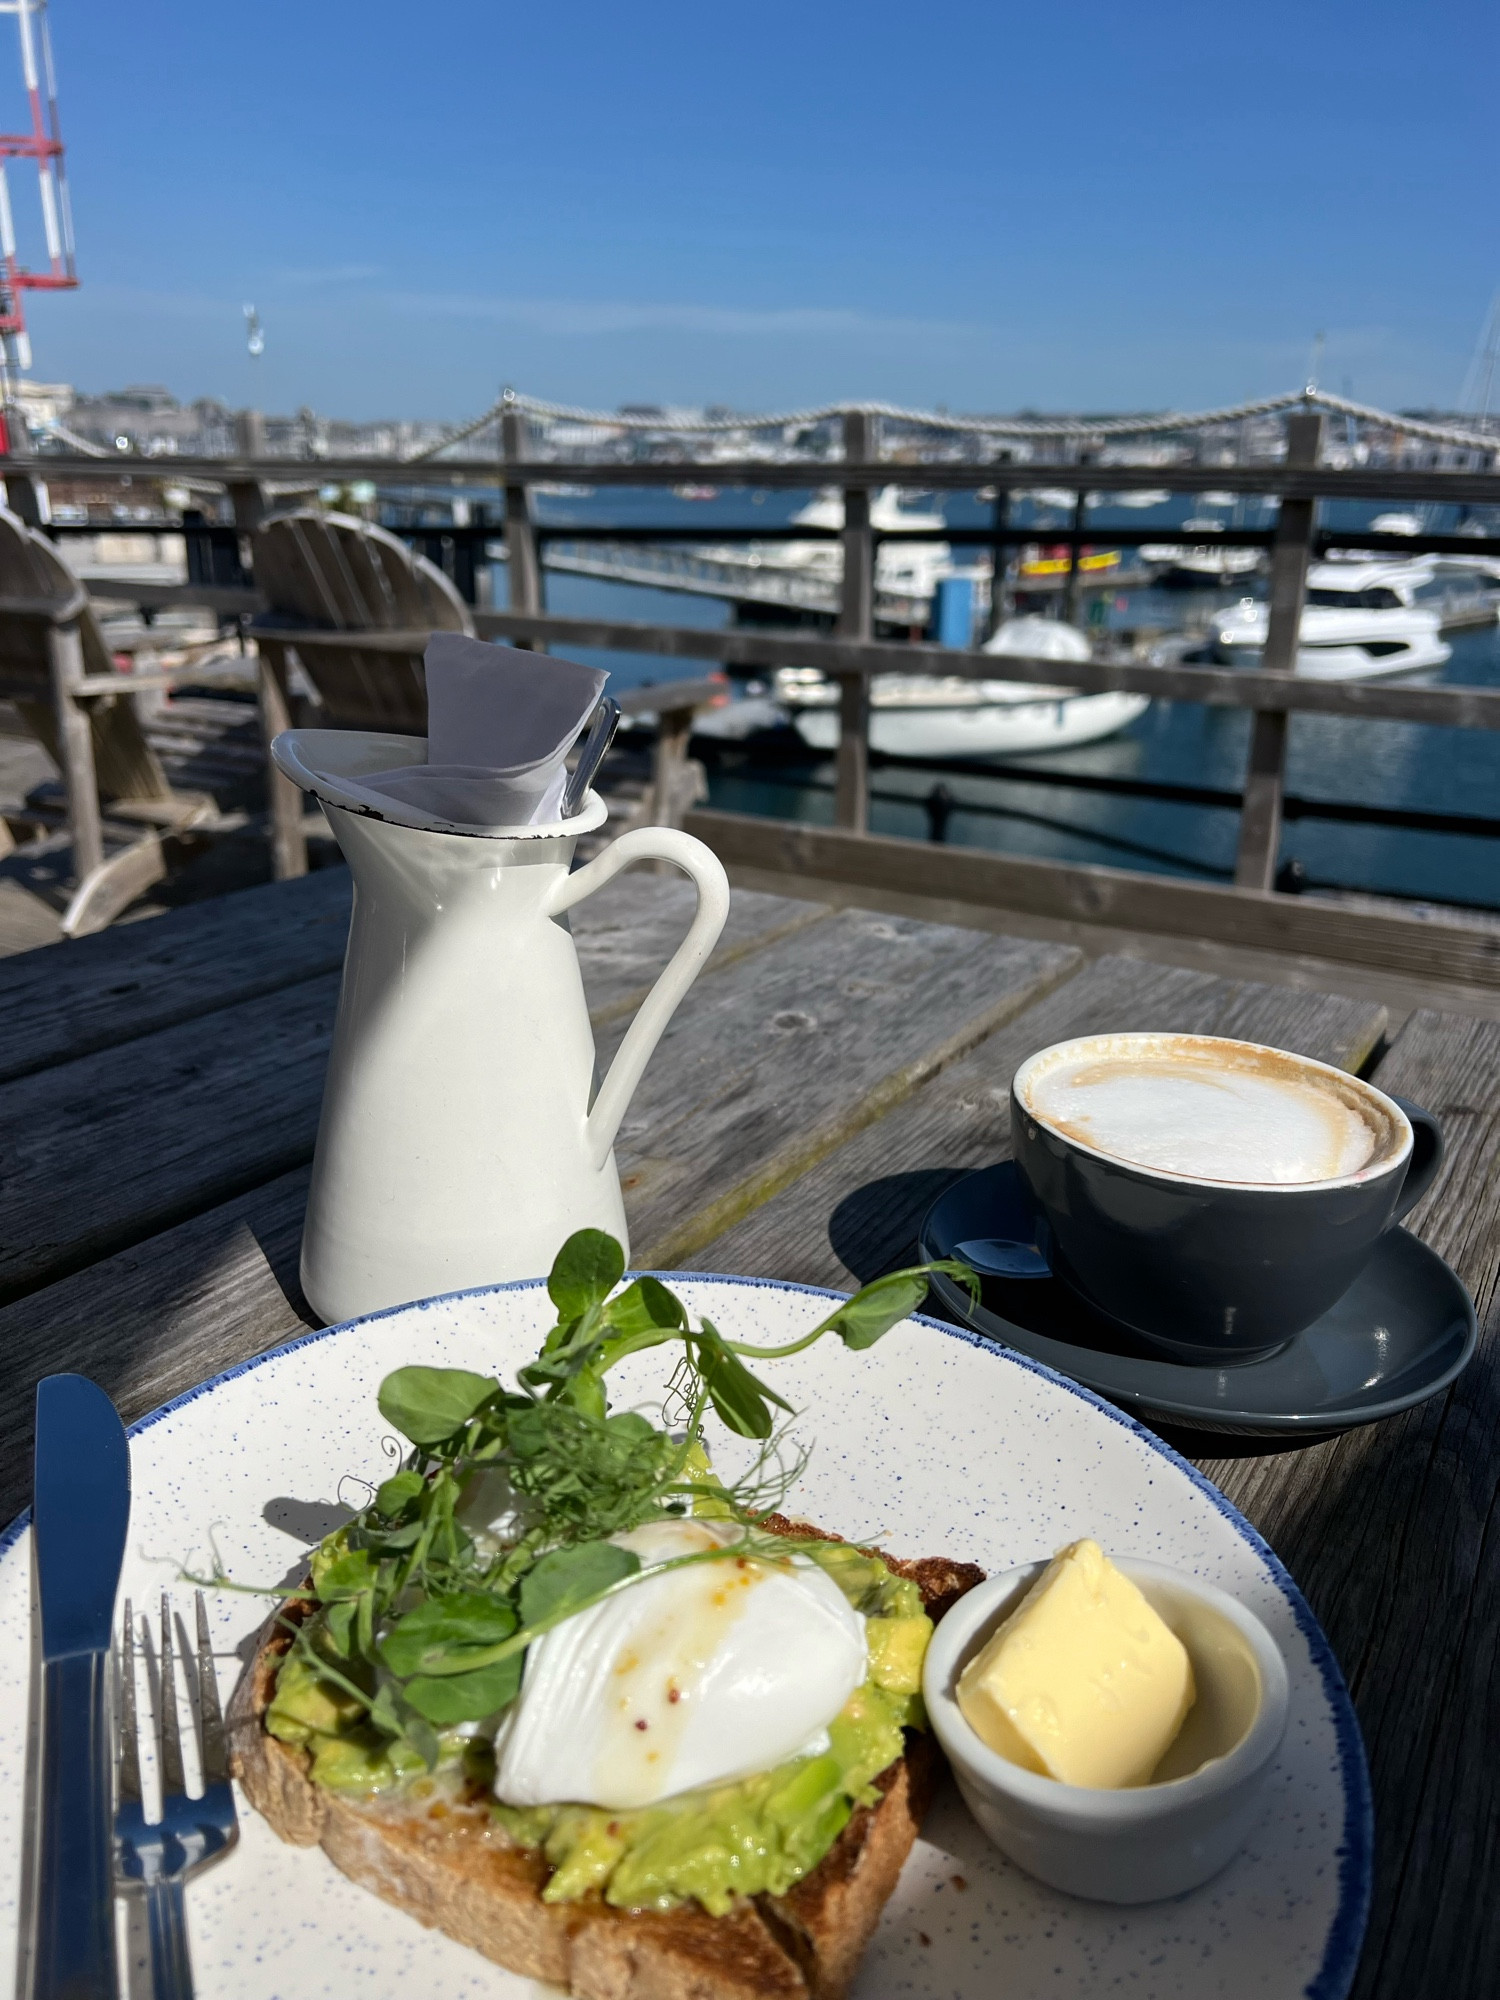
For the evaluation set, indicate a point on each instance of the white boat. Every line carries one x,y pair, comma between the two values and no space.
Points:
906,573
1198,566
1359,620
905,569
927,715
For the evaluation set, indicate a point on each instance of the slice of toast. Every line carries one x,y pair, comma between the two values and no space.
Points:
451,1866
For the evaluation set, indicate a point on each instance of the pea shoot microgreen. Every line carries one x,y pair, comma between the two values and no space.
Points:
499,1523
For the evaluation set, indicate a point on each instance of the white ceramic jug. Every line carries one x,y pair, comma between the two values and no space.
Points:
461,1140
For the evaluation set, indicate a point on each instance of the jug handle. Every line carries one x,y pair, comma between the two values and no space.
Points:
655,843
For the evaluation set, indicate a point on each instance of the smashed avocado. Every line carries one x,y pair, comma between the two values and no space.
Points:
756,1835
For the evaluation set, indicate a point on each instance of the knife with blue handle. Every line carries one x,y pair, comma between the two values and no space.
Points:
80,1510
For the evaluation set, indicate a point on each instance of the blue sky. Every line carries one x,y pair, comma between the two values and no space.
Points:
978,205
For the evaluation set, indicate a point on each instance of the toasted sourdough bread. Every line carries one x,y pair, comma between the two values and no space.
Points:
451,1867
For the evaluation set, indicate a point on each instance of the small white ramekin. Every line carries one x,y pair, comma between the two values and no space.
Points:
1145,1842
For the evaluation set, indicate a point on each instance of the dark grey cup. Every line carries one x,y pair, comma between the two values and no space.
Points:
1212,1270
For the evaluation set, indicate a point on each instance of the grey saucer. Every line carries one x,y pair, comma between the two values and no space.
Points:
1403,1330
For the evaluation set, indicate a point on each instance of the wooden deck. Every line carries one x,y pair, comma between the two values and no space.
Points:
831,1072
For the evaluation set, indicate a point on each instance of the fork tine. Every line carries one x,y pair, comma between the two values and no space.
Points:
130,1755
173,1780
210,1715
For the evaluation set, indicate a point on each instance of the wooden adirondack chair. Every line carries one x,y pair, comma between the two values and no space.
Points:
357,607
57,669
332,574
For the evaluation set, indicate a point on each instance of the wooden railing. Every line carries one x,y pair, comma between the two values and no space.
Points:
852,656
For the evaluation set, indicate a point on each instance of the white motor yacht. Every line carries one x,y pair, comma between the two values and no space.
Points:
928,715
1198,566
1359,620
905,569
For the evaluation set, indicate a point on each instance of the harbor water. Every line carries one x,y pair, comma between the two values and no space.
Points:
1374,763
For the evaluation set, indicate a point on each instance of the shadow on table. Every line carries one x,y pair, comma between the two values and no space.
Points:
874,1229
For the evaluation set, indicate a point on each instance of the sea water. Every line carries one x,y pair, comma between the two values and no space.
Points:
1387,764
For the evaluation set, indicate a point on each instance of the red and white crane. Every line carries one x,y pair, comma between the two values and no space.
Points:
43,145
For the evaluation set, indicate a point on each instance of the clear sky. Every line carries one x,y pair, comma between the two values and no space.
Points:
965,202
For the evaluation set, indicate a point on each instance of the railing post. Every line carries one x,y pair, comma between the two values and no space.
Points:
1260,816
676,781
1070,580
851,794
247,496
999,606
522,564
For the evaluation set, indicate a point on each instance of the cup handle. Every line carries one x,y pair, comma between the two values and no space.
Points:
654,843
1426,1156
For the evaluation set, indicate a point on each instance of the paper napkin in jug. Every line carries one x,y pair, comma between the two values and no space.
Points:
500,723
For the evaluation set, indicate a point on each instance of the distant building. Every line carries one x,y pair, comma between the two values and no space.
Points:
45,403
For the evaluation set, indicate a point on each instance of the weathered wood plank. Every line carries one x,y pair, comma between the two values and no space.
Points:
1167,905
158,1318
857,1214
107,989
1265,776
626,934
96,992
1390,1530
111,1148
119,1144
1384,483
780,1063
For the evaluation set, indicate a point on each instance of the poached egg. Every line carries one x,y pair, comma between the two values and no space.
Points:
689,1678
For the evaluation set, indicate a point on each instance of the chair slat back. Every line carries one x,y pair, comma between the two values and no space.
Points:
334,570
126,765
346,575
31,567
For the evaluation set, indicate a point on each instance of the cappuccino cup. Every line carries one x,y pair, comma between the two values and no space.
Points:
1215,1196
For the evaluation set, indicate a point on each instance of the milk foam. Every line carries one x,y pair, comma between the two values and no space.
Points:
1212,1120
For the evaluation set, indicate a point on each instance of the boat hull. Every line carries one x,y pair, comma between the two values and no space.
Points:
1351,663
981,730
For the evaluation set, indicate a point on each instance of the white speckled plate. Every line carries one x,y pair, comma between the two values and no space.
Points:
929,1443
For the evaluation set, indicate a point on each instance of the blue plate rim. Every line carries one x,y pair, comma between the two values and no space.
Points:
1356,1850
1212,1417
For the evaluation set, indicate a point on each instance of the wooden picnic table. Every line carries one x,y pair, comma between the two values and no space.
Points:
829,1074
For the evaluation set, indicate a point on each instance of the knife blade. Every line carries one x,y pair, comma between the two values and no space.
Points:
80,1512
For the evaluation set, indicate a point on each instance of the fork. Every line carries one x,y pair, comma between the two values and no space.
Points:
159,1855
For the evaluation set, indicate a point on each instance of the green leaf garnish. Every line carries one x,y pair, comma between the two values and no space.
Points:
741,1401
348,1576
445,1625
644,1307
466,1697
429,1404
588,1267
871,1313
394,1496
568,1578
